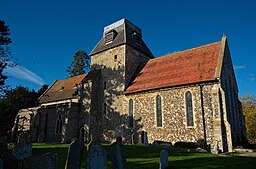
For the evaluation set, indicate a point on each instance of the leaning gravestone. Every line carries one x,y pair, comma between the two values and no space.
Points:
96,157
118,154
75,154
163,160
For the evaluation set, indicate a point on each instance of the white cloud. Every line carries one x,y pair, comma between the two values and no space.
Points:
21,72
239,67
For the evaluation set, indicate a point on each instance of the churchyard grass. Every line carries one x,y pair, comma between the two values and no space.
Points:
142,157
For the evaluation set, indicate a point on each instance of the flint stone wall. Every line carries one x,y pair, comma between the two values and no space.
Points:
174,123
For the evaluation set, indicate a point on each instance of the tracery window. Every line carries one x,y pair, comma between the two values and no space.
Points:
189,109
158,111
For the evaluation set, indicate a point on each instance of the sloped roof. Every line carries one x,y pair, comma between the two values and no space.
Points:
62,89
185,67
124,35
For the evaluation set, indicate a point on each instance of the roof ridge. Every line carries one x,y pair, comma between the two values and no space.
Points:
185,50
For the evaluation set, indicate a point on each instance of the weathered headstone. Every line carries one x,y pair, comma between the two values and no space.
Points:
1,164
45,161
24,137
216,148
145,139
22,150
163,160
118,154
75,154
96,156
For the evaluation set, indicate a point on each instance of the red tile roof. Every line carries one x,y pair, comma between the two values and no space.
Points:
62,89
185,67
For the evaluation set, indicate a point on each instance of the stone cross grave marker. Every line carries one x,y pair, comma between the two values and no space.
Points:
118,154
75,154
163,160
96,157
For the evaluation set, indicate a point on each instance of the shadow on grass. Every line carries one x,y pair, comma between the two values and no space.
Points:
140,157
215,162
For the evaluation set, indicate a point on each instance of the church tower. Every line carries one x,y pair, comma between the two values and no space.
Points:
119,56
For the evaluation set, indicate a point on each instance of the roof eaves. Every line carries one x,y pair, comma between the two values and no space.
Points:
171,86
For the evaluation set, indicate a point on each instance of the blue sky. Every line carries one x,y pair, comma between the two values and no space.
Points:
47,33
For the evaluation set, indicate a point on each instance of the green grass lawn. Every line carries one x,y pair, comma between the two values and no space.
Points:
140,157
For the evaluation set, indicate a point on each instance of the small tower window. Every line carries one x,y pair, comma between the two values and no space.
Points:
110,36
115,58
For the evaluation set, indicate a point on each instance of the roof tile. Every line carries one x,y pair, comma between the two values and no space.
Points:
185,67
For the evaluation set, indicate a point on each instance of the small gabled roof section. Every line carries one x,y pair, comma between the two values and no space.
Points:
62,89
186,67
119,33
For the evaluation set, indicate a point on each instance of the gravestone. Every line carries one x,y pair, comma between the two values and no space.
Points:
96,156
163,160
24,137
118,154
23,149
145,139
75,154
216,148
38,161
1,164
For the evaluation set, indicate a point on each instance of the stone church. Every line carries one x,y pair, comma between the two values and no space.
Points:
181,97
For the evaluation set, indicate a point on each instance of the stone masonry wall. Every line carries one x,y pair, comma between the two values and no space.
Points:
174,128
133,63
109,102
48,121
118,66
229,85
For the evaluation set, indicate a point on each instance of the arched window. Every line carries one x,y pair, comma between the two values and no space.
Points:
58,125
158,111
189,109
130,113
